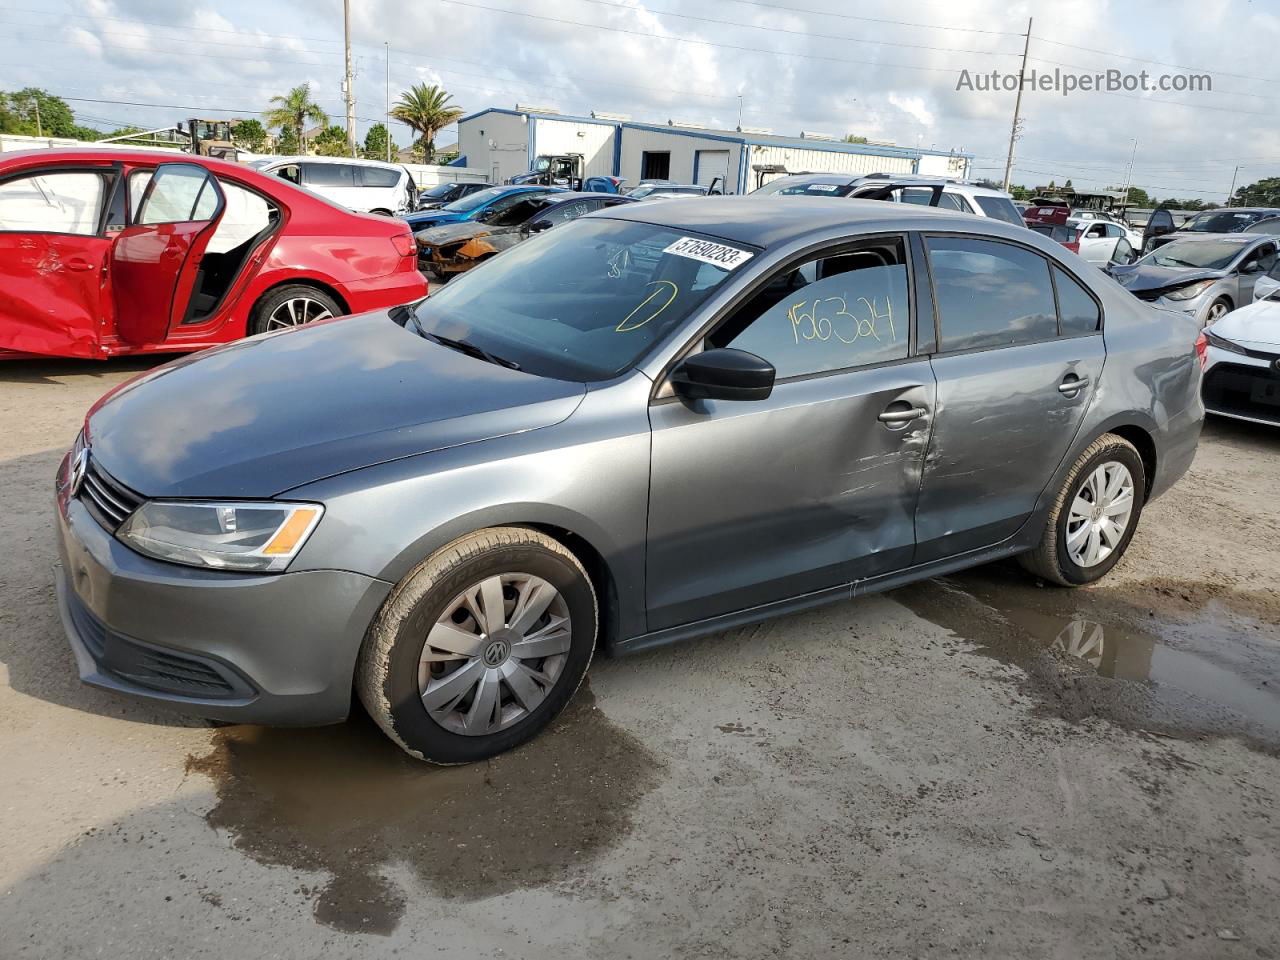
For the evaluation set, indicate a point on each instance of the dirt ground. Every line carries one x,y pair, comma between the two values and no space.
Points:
975,767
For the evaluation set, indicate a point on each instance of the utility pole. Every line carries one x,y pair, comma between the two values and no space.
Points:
739,111
1128,175
35,98
347,86
387,44
1232,192
1017,108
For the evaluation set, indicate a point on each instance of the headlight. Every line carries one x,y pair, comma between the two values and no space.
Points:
1190,291
261,537
1223,344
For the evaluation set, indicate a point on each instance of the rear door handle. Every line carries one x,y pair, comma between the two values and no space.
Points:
1073,386
80,265
899,417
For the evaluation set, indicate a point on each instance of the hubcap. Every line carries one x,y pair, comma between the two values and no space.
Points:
297,311
1217,312
1100,514
494,654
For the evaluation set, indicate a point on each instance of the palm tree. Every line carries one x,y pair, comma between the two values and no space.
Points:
293,110
426,109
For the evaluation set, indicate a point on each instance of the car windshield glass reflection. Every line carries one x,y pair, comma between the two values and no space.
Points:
584,301
473,200
1223,221
1206,254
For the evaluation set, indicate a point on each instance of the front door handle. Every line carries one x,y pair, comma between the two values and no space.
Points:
899,417
1073,386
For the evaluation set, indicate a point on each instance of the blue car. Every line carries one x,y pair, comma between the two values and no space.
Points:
475,206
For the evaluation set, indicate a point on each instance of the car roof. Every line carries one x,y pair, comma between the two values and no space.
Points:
1219,237
358,161
568,195
766,221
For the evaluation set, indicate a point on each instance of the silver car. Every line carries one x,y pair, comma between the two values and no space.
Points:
1205,278
656,422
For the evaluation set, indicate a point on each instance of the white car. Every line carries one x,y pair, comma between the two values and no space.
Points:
1099,239
365,186
1242,363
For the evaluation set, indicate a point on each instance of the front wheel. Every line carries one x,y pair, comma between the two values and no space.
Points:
480,647
1094,516
1219,309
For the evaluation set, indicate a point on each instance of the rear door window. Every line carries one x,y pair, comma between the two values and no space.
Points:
1078,311
53,202
990,294
847,309
329,174
179,193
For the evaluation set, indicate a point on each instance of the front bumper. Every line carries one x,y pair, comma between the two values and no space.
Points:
272,649
1243,387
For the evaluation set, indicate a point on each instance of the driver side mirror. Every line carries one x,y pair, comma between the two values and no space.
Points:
723,374
538,226
1252,268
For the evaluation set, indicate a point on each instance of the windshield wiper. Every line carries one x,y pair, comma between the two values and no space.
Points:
463,346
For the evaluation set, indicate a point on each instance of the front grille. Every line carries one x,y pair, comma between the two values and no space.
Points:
153,667
108,500
1243,390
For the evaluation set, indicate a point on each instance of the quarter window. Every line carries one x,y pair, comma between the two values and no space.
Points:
378,177
53,203
990,294
1078,310
844,310
1000,208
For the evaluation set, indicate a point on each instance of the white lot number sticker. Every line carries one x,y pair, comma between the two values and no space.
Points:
706,251
823,187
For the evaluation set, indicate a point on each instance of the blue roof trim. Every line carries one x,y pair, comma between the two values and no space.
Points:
538,116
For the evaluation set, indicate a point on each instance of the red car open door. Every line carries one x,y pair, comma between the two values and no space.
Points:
53,255
156,261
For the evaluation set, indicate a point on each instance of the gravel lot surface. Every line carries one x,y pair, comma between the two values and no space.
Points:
979,766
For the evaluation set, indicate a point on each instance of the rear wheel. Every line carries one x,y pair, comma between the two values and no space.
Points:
1094,516
480,647
292,306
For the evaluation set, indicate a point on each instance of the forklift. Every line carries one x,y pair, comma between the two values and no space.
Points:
210,138
554,170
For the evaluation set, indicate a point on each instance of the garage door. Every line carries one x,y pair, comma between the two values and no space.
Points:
709,164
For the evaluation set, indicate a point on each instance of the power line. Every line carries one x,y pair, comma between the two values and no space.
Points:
1162,63
896,23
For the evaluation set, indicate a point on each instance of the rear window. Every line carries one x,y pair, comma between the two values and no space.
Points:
999,208
378,177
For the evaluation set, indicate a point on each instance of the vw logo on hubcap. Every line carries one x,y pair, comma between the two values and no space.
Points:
496,653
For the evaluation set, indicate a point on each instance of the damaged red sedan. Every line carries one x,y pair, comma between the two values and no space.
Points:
112,252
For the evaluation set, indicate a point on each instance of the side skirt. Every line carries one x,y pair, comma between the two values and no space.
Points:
807,601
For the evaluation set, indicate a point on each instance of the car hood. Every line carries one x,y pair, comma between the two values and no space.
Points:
1150,277
263,415
1257,324
429,218
452,232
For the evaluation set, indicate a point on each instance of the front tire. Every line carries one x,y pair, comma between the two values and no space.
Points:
480,646
1094,516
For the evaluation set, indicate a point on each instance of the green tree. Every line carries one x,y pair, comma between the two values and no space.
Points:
850,138
375,143
292,112
287,144
1264,193
1138,198
250,134
55,117
427,110
331,141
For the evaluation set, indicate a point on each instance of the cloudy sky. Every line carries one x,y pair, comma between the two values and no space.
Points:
884,69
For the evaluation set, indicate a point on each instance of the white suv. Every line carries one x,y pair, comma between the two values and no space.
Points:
926,191
365,186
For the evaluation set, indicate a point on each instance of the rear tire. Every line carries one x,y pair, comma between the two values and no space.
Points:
442,670
292,305
1081,542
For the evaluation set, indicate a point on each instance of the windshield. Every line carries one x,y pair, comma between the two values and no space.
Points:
540,165
788,187
439,190
473,200
1206,254
584,301
1223,221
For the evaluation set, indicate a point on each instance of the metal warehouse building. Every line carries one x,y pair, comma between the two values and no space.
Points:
505,143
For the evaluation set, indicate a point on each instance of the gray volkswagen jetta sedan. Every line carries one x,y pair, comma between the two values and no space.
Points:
658,421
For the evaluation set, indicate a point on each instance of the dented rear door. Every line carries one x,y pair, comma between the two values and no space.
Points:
53,256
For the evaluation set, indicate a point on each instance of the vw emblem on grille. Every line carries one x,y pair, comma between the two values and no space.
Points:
78,469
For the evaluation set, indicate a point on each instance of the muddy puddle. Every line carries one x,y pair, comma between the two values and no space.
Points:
346,801
1161,657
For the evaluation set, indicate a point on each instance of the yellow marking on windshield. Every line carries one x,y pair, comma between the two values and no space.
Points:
623,327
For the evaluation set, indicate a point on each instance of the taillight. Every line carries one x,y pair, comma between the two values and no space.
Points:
1073,246
1202,349
405,244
